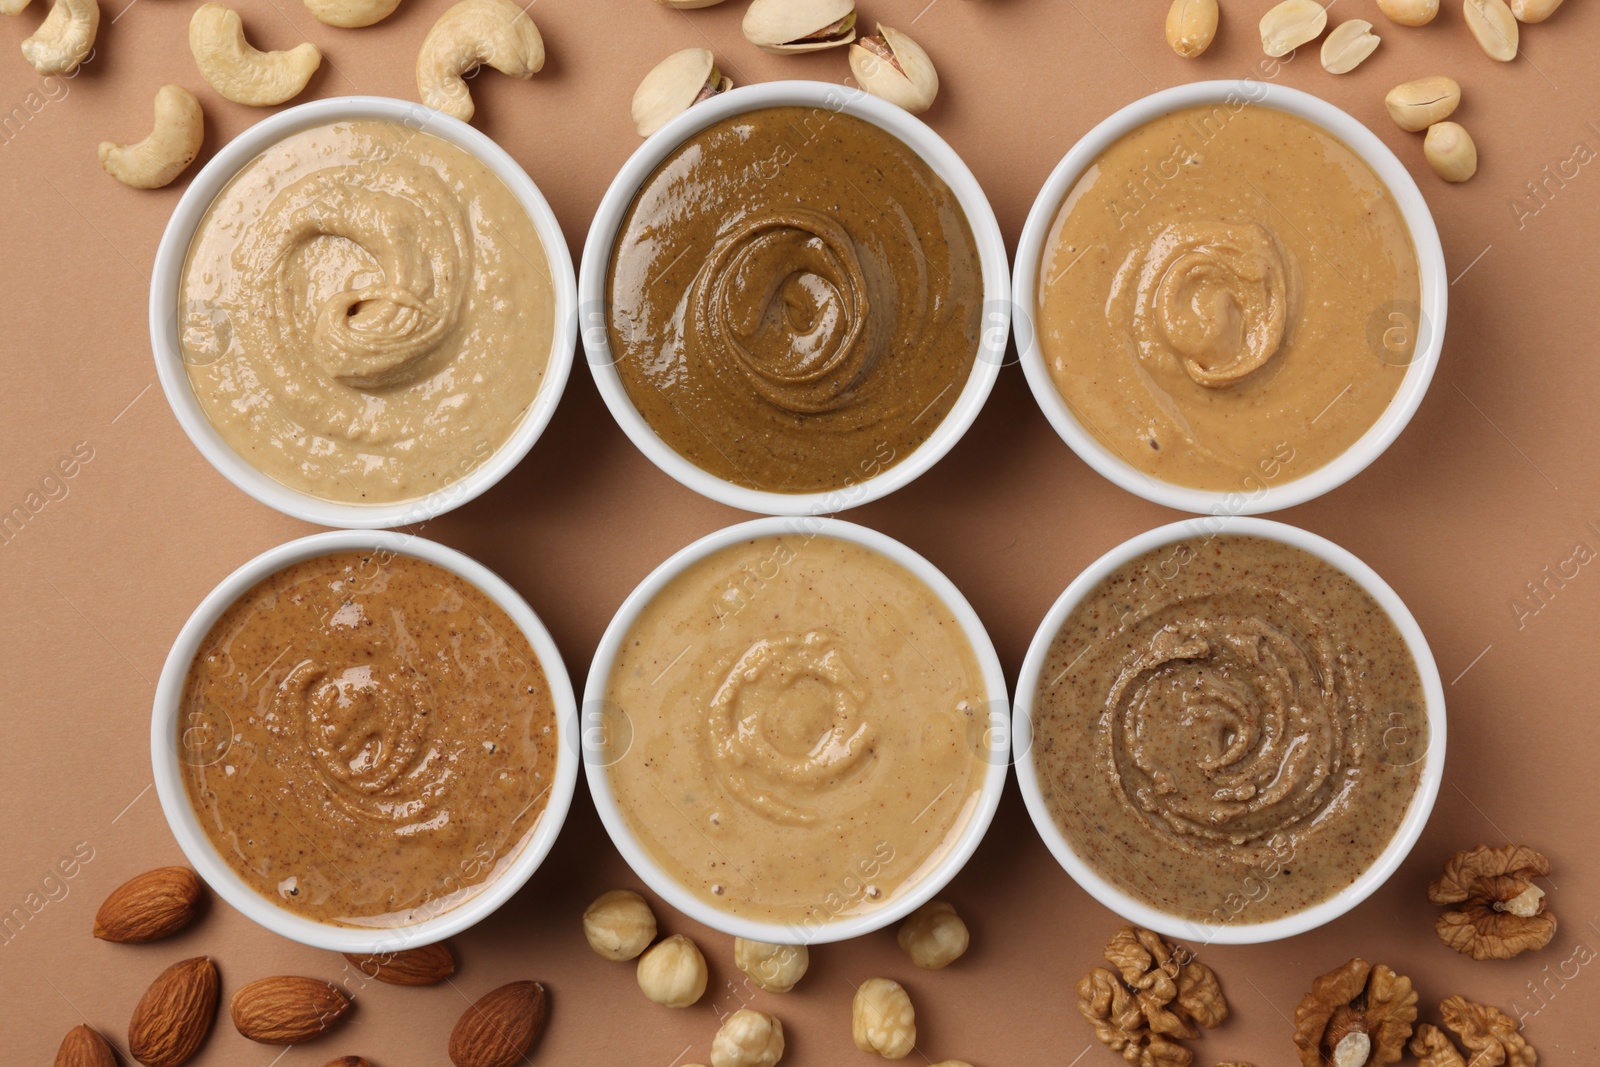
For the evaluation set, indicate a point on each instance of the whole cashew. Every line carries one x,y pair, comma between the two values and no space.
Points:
241,73
474,33
170,147
348,13
65,37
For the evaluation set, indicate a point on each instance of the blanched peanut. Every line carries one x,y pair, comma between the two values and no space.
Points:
1534,10
1410,12
1192,26
1417,105
1450,151
1495,27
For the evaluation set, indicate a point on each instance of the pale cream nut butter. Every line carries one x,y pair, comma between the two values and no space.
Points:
794,729
366,312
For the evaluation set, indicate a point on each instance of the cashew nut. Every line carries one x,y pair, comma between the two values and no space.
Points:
170,147
475,33
350,14
240,72
65,37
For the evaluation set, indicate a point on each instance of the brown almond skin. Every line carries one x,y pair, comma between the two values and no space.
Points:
500,1028
427,965
84,1047
349,1061
288,1009
174,1015
149,906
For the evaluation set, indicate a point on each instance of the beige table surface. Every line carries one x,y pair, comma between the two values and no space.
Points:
1495,480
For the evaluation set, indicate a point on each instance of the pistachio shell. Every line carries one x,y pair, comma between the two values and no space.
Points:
673,86
908,79
784,25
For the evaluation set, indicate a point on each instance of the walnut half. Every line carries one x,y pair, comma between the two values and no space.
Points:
1488,1033
1356,1016
1155,998
1499,912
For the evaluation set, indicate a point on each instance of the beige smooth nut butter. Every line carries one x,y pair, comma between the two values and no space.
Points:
1229,729
366,312
1214,293
794,729
366,741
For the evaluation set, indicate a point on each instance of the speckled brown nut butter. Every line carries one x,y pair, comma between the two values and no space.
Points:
367,740
1229,729
794,299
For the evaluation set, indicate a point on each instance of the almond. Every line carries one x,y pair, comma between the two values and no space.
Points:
500,1028
175,1013
349,1061
427,965
287,1009
150,906
84,1047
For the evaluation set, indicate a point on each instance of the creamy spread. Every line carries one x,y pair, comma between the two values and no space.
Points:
366,312
1229,729
794,300
794,729
367,741
1228,296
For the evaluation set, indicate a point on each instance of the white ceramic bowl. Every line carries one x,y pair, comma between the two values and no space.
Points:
167,276
921,139
185,823
1429,329
1416,815
995,747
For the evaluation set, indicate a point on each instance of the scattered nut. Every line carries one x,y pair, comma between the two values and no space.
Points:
689,5
65,38
1454,157
673,972
1192,26
882,1019
1357,1015
500,1028
426,965
775,968
934,935
1348,46
158,903
1501,912
240,72
1433,1049
349,1061
1290,25
84,1047
748,1038
173,1017
1120,1024
1417,105
288,1009
150,164
1154,996
619,925
12,7
1534,10
892,66
1410,12
350,14
474,33
1495,27
783,26
672,87
1489,1034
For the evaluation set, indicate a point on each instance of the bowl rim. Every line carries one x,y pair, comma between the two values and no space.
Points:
995,747
1417,810
1432,278
995,322
167,272
185,822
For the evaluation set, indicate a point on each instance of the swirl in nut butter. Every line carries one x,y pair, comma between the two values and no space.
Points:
366,312
1228,298
1229,730
803,722
794,300
392,739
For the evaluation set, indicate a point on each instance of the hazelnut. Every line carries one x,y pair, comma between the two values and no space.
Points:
775,968
882,1019
619,924
673,972
748,1038
934,935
